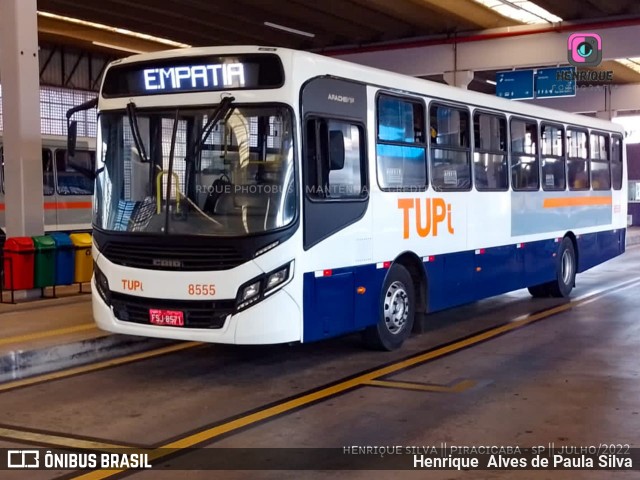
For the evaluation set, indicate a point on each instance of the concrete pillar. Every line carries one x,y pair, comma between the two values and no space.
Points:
20,76
605,114
459,78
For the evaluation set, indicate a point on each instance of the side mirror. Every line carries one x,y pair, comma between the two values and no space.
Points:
336,150
72,135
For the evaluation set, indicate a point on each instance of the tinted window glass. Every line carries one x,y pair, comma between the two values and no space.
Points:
490,156
616,162
524,160
72,181
577,160
450,157
47,172
401,156
336,151
553,161
400,120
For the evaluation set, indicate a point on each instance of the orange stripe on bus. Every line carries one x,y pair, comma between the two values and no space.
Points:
575,201
60,205
66,205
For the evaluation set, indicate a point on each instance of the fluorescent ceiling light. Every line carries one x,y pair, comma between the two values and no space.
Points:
521,10
121,31
117,47
491,82
632,63
289,29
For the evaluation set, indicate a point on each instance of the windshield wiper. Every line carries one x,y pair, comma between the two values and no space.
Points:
135,132
222,110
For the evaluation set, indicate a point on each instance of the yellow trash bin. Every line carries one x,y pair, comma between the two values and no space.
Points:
84,261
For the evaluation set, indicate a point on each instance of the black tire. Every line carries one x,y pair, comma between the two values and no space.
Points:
566,267
397,311
539,291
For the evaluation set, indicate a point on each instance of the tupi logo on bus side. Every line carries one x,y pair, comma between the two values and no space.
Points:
429,213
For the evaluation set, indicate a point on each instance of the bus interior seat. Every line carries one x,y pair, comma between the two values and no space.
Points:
219,187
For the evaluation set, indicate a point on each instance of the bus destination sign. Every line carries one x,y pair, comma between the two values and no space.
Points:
194,74
226,75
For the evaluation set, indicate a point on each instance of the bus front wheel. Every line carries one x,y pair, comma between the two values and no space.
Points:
397,311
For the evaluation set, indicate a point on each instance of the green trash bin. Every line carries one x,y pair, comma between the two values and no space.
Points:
44,273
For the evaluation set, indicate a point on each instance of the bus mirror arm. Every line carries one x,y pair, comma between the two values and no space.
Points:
72,125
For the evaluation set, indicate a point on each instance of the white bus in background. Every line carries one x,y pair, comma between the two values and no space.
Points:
67,192
256,195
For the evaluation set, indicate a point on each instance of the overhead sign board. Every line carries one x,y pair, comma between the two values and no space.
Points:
515,84
556,82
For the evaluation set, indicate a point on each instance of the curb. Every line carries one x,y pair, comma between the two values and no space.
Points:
20,364
631,241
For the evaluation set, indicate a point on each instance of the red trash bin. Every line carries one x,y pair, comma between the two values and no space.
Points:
18,263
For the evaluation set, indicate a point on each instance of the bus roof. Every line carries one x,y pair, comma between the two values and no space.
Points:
315,65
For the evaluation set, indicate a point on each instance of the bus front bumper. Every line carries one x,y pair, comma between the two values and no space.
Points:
276,319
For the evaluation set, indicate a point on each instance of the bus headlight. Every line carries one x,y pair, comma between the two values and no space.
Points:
102,285
276,278
250,291
262,286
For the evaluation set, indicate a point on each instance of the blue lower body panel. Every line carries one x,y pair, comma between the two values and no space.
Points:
333,306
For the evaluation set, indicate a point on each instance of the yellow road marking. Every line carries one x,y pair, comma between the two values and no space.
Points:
57,440
350,384
97,366
424,387
48,333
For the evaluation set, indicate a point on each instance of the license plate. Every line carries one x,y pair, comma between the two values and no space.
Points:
171,318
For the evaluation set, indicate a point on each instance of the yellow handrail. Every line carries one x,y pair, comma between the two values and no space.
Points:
176,180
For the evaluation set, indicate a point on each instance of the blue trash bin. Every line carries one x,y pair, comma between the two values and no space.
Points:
65,259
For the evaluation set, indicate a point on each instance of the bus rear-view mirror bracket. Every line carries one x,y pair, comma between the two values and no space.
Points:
72,135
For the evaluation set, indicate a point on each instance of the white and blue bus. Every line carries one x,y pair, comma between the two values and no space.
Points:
255,195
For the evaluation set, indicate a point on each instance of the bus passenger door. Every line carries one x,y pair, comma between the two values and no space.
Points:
335,216
49,190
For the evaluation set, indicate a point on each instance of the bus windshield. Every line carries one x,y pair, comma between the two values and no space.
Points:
237,180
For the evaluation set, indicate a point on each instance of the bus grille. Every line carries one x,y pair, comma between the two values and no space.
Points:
197,313
178,258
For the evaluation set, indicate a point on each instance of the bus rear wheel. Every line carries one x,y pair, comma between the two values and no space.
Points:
397,311
565,270
566,267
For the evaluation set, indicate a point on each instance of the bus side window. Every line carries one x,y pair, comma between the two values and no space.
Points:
577,159
334,159
450,155
616,162
553,161
524,155
71,181
490,152
400,146
599,157
47,172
